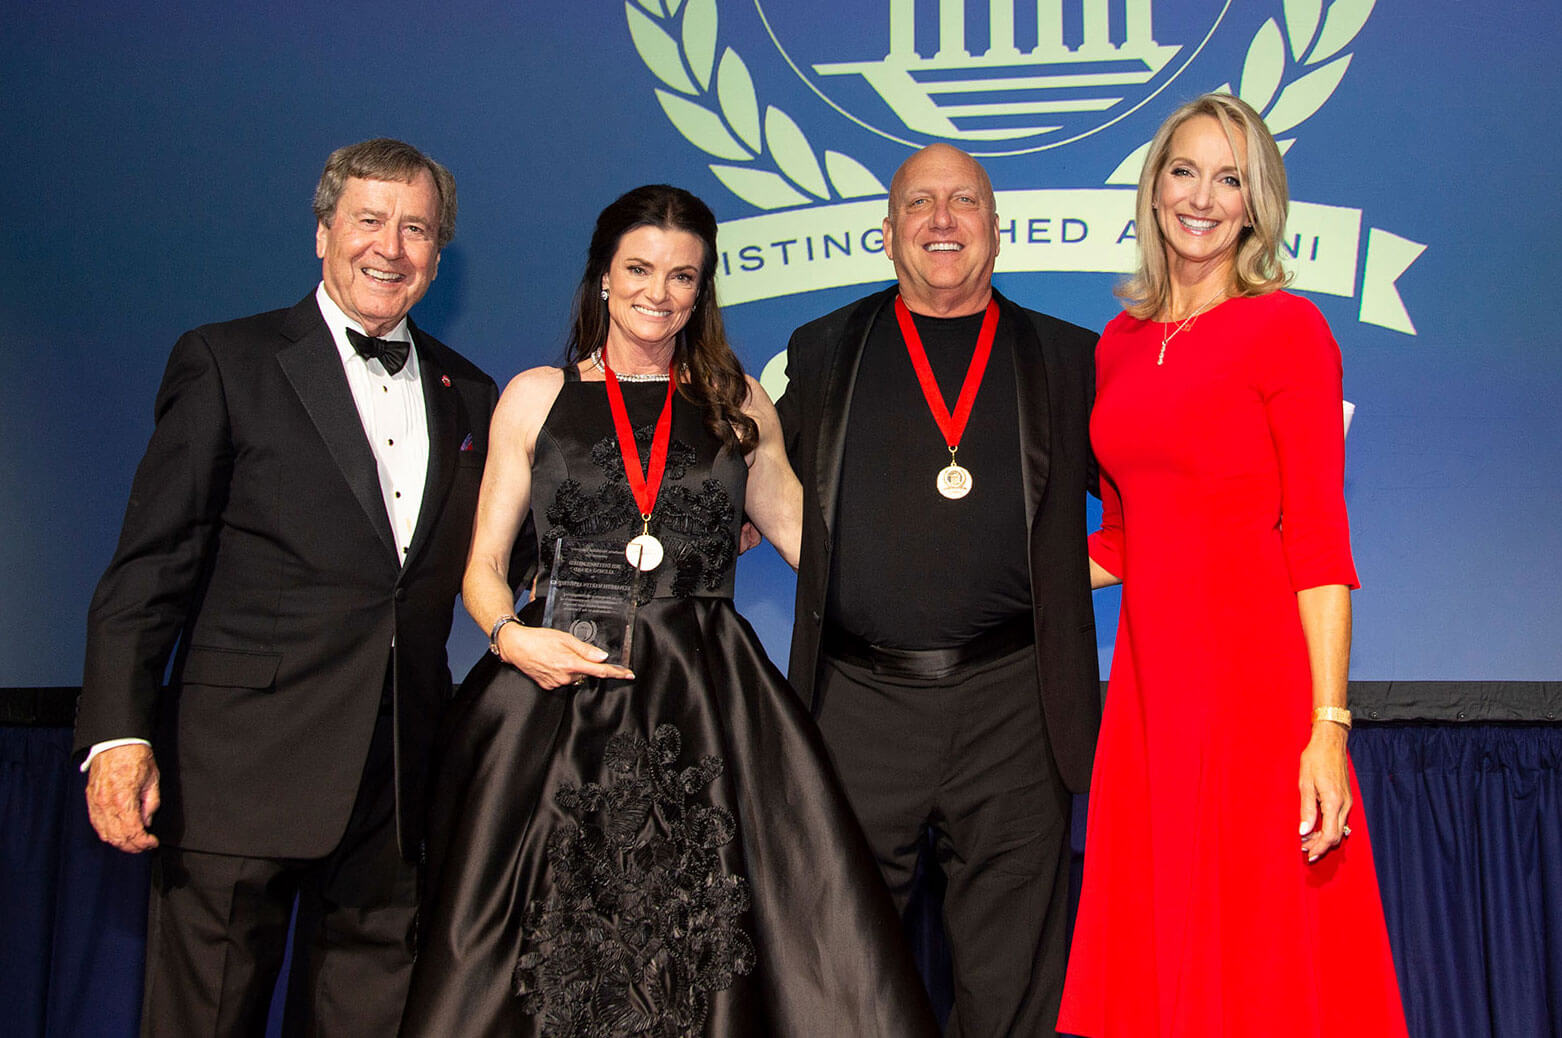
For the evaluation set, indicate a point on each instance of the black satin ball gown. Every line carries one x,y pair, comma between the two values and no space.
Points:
670,856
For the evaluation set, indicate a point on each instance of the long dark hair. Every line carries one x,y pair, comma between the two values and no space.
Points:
709,372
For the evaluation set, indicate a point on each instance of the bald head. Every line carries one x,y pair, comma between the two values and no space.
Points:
942,232
942,157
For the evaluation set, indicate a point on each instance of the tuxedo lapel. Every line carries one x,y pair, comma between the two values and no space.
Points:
1031,384
838,391
314,368
439,404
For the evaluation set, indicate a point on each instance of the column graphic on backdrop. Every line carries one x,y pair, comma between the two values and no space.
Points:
1003,93
998,78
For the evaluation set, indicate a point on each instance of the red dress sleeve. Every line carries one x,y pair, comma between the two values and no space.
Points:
1302,398
1106,544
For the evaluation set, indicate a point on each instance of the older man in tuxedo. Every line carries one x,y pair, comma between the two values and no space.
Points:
295,538
944,629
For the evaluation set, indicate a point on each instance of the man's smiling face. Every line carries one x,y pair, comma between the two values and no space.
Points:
380,250
942,232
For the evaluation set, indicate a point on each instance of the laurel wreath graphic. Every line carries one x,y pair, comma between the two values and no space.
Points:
1291,69
1288,73
717,108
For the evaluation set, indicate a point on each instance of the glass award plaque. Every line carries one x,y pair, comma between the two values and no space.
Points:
591,595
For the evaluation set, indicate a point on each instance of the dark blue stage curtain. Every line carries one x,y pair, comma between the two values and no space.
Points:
1466,824
72,909
1467,830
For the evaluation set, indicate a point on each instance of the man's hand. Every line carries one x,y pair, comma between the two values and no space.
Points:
122,797
748,537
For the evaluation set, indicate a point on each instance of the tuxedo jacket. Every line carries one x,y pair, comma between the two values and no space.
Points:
1054,374
256,549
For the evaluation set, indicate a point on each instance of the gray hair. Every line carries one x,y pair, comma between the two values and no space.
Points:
384,159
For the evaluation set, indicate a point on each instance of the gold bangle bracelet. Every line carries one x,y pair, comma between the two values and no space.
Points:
1337,714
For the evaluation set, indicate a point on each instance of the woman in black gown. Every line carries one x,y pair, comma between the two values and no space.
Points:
662,850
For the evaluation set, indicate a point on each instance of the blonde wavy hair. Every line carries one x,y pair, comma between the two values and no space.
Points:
1258,270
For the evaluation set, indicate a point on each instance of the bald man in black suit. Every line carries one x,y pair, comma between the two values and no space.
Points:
944,633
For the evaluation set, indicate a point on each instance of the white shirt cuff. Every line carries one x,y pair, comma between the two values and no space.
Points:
108,744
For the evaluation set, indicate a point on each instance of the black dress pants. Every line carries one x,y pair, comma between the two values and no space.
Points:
217,929
968,757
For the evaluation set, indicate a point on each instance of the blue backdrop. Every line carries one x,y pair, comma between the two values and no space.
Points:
160,159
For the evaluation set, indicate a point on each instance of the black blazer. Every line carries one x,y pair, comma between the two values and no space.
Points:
256,540
1055,374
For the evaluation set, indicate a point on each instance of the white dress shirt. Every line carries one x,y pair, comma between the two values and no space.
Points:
392,411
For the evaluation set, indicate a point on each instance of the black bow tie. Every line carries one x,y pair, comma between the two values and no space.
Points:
392,354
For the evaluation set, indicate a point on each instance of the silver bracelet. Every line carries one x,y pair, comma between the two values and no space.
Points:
493,632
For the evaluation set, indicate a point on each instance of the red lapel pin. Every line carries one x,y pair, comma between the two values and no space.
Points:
446,380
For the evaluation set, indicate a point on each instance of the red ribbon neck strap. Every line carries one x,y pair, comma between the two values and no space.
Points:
951,425
645,485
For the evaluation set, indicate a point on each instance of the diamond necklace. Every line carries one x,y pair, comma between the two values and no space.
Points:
1170,333
647,376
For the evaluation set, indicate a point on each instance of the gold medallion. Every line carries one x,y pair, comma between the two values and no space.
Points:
954,481
644,553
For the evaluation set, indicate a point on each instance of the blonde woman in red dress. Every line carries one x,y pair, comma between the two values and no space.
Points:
1229,884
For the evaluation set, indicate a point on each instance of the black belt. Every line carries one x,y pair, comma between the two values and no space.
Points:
929,663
